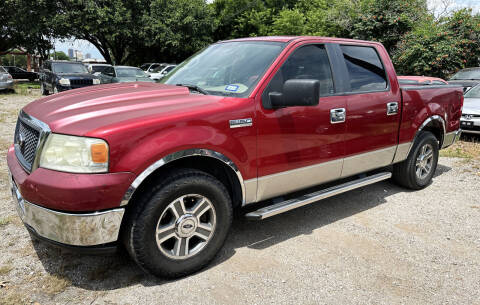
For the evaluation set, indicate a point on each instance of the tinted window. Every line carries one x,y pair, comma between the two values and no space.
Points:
98,69
130,72
169,69
2,70
474,92
365,69
144,66
108,71
307,62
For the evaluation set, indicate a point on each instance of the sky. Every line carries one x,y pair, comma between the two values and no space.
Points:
86,47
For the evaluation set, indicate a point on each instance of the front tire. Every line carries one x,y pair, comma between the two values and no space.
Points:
417,171
178,226
43,89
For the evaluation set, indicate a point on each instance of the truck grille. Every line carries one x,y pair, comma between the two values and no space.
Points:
81,82
30,135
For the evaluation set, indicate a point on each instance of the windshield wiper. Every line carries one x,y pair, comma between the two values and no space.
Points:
194,87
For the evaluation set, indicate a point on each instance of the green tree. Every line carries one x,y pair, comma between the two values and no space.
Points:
385,21
59,55
440,48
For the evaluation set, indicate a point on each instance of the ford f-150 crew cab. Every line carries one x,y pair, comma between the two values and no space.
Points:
159,168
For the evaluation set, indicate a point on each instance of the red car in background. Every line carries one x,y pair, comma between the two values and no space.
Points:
420,80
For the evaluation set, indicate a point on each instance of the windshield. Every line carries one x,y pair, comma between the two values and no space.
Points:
230,68
159,68
467,74
99,68
145,66
130,72
2,70
474,92
69,68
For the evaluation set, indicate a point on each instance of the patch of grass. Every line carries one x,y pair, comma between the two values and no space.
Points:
463,149
12,298
7,220
5,269
55,284
27,85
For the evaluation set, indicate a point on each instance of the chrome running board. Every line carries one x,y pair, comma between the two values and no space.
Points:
291,204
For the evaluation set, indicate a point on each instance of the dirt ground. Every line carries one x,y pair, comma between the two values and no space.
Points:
377,245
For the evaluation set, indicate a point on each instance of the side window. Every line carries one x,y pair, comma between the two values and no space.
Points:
109,71
365,69
306,62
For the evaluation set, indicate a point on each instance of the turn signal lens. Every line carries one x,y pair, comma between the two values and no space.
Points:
99,152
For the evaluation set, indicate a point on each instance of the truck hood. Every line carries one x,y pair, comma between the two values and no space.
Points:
471,106
95,108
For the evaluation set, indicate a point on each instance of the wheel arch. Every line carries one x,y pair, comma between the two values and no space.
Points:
212,162
434,124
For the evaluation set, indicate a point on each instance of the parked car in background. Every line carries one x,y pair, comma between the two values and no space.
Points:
19,73
470,121
59,75
96,68
467,78
123,74
149,67
6,80
421,80
161,71
161,167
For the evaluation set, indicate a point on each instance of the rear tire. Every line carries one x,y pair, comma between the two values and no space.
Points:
178,226
417,170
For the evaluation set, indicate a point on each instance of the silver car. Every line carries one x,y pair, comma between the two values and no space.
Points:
470,121
6,80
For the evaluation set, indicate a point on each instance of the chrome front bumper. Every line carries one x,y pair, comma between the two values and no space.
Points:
88,229
451,138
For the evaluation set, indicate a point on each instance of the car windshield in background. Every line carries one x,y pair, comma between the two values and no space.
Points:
69,68
467,74
473,93
100,69
159,68
229,68
2,70
130,72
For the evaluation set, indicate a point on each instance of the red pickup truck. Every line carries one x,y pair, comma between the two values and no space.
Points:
159,168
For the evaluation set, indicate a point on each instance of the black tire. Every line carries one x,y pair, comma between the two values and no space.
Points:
405,173
43,89
139,236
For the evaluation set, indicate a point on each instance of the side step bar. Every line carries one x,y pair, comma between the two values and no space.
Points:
291,204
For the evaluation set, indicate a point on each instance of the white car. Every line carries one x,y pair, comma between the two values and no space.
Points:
470,121
161,71
6,80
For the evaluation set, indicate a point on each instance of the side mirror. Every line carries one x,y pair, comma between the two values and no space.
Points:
296,92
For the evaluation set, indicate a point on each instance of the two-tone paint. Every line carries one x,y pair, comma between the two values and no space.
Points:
269,152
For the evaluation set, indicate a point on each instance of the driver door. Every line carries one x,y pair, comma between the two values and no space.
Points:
300,146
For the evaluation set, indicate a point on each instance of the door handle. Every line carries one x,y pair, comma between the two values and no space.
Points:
392,108
337,115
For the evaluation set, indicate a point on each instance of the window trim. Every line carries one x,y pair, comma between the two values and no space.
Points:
346,73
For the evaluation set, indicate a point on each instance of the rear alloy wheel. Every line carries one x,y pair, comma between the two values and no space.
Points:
178,224
417,171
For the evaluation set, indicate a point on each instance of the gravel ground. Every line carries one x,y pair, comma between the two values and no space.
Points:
376,245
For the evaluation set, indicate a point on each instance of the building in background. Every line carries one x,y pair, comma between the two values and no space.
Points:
78,55
70,53
88,55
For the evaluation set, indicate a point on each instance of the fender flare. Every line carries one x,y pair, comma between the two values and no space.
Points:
178,155
425,123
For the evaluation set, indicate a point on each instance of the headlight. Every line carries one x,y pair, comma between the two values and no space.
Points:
96,81
75,154
64,82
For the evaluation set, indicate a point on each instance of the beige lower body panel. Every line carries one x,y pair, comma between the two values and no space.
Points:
270,186
282,183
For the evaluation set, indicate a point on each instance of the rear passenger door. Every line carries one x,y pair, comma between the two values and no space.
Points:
373,108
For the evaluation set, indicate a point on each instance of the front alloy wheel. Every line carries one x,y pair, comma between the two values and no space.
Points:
185,226
179,223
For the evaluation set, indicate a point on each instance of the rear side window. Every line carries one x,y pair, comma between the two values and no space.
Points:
365,69
306,62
